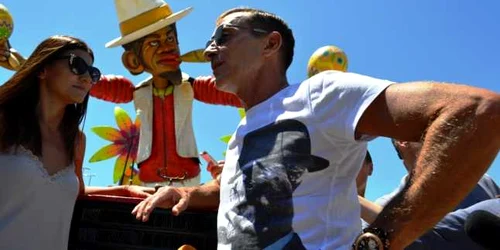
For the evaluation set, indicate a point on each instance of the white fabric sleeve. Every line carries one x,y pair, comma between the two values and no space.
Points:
339,99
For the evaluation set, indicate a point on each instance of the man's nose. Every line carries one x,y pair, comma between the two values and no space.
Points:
209,51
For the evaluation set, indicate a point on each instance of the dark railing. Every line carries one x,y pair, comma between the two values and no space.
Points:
105,222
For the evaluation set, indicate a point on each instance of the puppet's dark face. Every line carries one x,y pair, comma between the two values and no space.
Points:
160,52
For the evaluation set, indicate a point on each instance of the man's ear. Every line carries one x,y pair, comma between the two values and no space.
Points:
132,62
273,43
42,73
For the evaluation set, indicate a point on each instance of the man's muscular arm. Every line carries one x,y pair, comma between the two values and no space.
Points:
111,88
459,127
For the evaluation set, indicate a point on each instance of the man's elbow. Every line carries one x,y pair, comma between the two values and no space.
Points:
487,117
489,112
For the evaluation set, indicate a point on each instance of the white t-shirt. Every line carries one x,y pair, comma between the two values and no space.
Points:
290,171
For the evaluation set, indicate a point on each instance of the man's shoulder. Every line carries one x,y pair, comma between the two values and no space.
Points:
318,82
332,80
322,76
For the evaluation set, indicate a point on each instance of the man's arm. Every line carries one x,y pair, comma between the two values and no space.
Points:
459,126
179,199
206,196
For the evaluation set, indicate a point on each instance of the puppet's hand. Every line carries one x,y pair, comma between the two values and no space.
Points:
4,53
10,58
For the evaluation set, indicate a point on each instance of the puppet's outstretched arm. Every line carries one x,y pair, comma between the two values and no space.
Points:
205,91
111,88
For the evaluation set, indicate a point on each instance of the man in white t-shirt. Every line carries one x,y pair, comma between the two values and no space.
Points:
289,176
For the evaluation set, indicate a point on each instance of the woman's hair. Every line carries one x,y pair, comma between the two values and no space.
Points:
19,98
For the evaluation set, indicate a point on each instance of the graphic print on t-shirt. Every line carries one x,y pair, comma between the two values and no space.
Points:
272,161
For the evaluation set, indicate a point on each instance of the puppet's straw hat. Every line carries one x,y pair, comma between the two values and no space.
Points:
139,18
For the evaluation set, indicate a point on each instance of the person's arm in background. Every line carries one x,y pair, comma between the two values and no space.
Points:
369,210
123,190
458,126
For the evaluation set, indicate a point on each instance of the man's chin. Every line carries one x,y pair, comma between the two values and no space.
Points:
223,84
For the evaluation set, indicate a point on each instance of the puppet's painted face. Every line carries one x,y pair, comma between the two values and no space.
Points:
160,52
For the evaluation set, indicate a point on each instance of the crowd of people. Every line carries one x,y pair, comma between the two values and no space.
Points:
296,167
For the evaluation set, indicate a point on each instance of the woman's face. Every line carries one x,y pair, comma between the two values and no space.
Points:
62,79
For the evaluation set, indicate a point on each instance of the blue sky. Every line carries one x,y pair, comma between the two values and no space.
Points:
395,40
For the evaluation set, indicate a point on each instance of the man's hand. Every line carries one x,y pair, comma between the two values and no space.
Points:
215,170
166,197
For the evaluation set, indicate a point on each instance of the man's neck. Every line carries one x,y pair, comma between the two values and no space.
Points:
261,88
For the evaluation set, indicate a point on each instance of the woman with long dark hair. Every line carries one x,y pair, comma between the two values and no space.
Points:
42,146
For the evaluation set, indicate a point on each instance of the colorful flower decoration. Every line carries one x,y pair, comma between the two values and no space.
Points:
124,144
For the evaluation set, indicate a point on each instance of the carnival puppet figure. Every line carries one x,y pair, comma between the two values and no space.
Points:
167,152
9,57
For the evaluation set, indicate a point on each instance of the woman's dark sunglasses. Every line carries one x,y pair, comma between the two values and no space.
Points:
78,66
220,38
